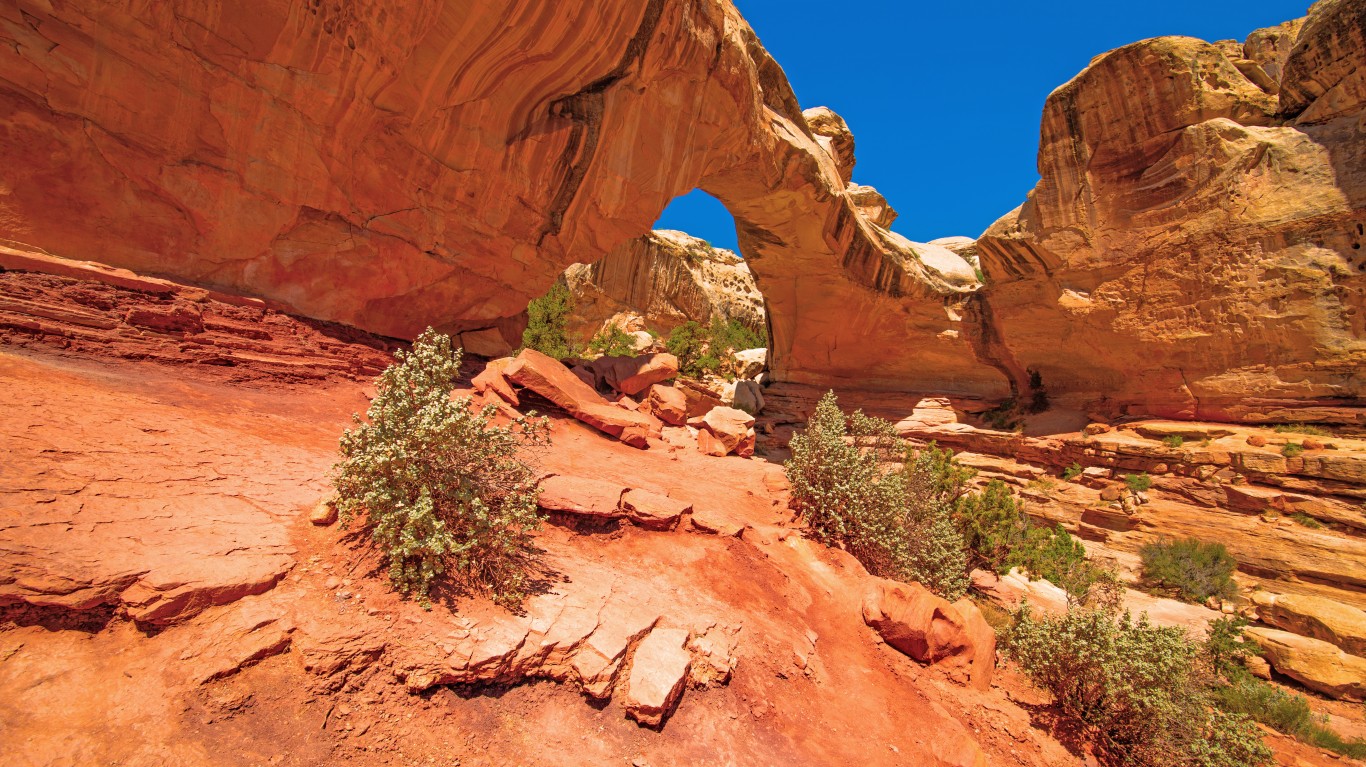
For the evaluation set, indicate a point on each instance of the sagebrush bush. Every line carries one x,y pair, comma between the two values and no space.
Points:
850,494
1135,687
438,485
1190,568
547,317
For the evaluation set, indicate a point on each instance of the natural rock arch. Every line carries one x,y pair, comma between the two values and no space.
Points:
394,165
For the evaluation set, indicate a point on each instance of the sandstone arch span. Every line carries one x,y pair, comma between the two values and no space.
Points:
391,165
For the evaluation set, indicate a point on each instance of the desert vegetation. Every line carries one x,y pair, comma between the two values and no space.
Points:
1190,569
909,513
546,319
441,489
710,349
1139,692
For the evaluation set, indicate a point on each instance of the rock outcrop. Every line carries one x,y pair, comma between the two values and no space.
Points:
932,630
1313,663
1194,247
668,278
400,165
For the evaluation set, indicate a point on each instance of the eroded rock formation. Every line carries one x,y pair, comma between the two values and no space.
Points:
1195,245
668,278
393,165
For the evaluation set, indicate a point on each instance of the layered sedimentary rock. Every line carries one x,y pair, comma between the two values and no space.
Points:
668,278
394,165
1194,246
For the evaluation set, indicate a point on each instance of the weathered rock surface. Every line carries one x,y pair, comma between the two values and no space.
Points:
932,630
552,380
633,375
1313,663
659,671
725,430
90,309
1316,617
668,278
320,665
1163,151
407,164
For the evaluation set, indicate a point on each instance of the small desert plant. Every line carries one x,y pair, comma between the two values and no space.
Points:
711,349
1292,449
546,321
1192,569
1136,688
1138,483
612,341
895,522
1175,440
1238,692
1072,472
1306,521
441,488
1302,428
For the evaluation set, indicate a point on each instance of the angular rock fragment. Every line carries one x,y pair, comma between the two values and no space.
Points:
659,671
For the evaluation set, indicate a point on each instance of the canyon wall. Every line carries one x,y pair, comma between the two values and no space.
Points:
1194,246
1193,249
668,278
393,165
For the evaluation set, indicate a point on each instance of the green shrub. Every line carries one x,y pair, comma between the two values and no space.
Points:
1302,428
440,488
848,496
734,336
1138,483
1238,692
1175,440
612,341
1072,472
711,349
994,528
1292,449
1192,569
688,342
1306,521
546,319
1136,688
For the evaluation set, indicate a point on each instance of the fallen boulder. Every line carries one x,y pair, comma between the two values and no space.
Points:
658,674
668,404
492,379
931,630
700,399
751,362
749,397
725,430
632,375
552,380
1316,617
654,511
582,497
1314,663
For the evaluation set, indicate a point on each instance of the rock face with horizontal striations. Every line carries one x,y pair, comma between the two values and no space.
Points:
394,165
1194,248
1313,663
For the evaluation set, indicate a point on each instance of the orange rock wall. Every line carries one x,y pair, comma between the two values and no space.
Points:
1194,248
393,165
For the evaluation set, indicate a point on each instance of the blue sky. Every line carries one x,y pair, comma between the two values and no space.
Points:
944,98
